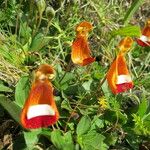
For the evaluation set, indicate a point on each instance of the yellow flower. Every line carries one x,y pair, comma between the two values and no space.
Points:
103,102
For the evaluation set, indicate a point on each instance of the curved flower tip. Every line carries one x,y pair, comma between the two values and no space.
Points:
81,53
125,44
44,71
118,77
40,109
83,28
144,40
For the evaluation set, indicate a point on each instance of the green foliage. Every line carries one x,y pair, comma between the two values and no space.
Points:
83,126
4,88
91,117
62,142
132,31
135,5
13,109
22,90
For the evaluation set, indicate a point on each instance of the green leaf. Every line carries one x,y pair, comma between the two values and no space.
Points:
22,90
13,109
142,107
4,88
57,139
97,123
38,42
83,126
87,85
67,77
31,138
93,141
134,7
62,142
65,105
106,89
25,30
128,31
65,80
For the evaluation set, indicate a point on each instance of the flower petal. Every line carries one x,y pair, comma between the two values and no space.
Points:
118,77
144,40
80,52
40,99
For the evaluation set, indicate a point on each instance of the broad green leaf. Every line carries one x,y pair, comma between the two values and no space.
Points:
106,89
83,126
68,142
66,78
31,138
13,109
133,31
134,7
142,107
4,88
38,42
62,142
57,139
87,85
22,90
97,123
93,141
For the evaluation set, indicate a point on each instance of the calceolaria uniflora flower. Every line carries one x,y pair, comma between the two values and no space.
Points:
81,53
40,109
118,76
144,39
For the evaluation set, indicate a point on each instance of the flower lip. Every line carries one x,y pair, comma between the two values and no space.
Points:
84,26
45,69
44,72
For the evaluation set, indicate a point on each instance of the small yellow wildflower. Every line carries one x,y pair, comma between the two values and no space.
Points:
103,102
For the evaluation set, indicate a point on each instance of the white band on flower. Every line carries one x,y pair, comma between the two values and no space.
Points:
40,110
144,38
124,79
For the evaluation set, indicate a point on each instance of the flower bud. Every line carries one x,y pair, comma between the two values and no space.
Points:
50,13
41,5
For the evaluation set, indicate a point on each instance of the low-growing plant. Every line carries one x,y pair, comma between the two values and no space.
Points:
35,32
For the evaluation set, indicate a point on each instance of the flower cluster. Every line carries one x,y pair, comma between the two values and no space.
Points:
40,109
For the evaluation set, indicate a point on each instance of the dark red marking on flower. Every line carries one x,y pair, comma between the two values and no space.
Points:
143,44
88,61
124,87
40,121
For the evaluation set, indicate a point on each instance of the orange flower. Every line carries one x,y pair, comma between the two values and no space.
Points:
81,53
40,109
144,40
118,77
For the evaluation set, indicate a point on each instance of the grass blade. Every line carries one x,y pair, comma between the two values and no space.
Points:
13,109
134,7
